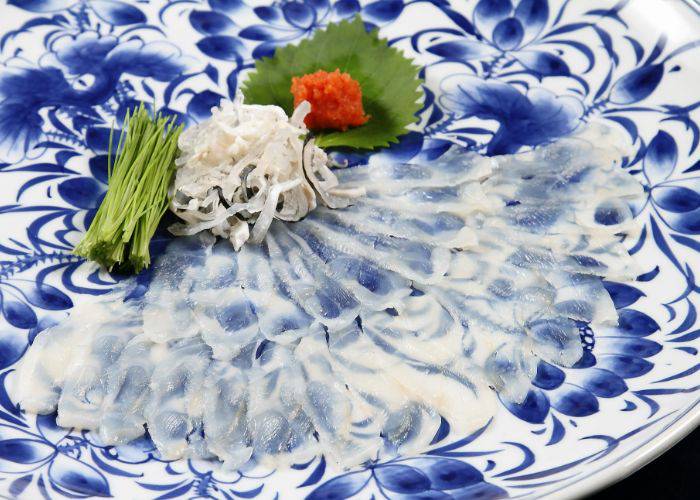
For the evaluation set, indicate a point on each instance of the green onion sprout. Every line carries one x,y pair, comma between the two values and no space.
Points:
137,192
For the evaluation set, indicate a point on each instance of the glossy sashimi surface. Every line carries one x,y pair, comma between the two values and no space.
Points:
353,333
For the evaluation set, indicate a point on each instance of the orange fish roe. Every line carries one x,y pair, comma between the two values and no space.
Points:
335,98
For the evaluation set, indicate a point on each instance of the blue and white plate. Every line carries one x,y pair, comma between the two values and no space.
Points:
501,76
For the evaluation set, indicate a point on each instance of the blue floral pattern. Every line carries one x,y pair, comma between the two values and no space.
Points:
500,75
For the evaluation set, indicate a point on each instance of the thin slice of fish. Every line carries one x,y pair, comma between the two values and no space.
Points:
353,332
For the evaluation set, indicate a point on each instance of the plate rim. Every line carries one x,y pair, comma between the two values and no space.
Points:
633,461
653,446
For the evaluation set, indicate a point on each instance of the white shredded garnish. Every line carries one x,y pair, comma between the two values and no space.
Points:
247,165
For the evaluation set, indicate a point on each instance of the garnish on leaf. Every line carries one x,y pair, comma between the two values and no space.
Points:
335,98
137,192
389,81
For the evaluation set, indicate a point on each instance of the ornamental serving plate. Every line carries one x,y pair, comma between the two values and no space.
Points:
501,76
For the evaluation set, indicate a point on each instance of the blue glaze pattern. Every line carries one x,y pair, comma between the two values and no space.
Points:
500,75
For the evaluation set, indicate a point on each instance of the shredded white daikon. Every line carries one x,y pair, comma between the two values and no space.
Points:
247,165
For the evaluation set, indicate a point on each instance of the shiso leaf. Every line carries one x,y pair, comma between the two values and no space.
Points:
390,83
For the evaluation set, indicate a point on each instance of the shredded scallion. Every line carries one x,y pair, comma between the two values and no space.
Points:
137,192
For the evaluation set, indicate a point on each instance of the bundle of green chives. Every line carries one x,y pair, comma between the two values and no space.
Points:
137,192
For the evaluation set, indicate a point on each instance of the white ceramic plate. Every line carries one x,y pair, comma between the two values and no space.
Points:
535,70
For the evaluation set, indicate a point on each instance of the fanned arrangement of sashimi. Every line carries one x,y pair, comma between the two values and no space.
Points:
416,294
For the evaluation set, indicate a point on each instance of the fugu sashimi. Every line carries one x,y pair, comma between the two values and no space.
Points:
355,332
